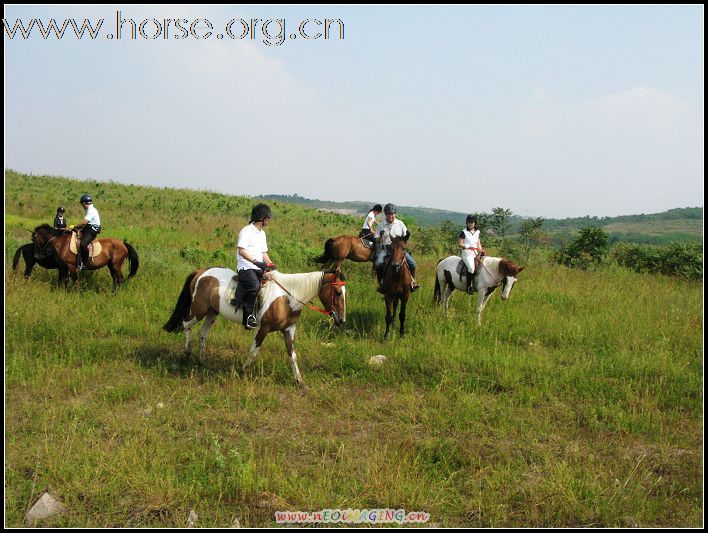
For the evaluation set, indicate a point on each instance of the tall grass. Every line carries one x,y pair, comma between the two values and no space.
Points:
577,402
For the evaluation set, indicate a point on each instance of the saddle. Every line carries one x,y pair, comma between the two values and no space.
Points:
366,243
236,291
462,269
95,247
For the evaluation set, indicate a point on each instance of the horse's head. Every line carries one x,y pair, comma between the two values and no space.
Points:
42,236
509,270
398,251
333,296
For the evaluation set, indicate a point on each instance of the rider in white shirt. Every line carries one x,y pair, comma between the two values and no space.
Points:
90,227
367,229
471,246
390,228
253,260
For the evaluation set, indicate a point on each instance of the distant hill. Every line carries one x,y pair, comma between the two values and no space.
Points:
681,224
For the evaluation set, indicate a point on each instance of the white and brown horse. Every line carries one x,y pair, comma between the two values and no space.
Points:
280,303
491,273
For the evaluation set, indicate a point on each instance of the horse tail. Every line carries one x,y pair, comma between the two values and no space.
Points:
184,302
326,257
16,259
132,259
437,295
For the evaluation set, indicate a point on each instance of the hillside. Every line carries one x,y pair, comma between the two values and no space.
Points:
578,402
682,224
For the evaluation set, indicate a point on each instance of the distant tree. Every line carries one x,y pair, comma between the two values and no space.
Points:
587,249
499,221
531,234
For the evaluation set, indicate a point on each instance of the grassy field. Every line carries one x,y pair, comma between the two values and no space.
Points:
577,403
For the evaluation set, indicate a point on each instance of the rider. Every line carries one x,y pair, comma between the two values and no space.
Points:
60,219
90,227
471,247
392,227
253,259
367,230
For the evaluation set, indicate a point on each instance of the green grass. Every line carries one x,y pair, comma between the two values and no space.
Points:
577,403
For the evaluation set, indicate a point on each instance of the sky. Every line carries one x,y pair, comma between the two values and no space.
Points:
554,111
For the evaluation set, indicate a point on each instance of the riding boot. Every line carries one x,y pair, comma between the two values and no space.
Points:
414,285
470,286
249,320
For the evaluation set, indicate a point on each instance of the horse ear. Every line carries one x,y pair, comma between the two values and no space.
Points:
520,269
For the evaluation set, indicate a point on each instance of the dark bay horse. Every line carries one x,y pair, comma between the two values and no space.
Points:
396,282
338,249
492,272
50,241
280,303
27,253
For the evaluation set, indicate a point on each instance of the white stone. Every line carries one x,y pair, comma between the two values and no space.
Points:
46,507
377,360
192,519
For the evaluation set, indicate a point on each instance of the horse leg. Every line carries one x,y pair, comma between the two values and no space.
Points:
389,316
204,331
481,302
187,327
289,336
255,347
402,316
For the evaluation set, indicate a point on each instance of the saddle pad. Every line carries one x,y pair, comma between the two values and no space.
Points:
95,247
366,243
231,289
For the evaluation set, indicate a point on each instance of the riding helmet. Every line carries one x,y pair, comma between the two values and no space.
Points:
61,210
377,207
86,199
389,208
471,218
259,212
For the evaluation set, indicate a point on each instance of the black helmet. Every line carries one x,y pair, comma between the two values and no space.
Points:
377,207
259,212
60,209
471,218
86,199
389,208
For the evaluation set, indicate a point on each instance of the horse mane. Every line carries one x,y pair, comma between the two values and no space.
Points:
508,268
46,227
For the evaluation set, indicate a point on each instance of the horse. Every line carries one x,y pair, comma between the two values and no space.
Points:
280,303
337,249
27,253
396,282
51,241
491,273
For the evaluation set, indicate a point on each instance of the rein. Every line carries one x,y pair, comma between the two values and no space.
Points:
313,307
496,283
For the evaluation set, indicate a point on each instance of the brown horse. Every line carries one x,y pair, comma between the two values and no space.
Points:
396,282
280,302
49,241
338,249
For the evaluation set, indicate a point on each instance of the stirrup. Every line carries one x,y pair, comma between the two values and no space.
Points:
251,322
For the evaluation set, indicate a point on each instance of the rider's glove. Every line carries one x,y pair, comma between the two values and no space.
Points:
261,265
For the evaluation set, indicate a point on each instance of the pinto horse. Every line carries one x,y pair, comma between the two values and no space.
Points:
27,253
396,282
338,249
279,306
49,241
491,273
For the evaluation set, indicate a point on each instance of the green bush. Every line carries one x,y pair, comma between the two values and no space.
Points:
683,260
586,250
